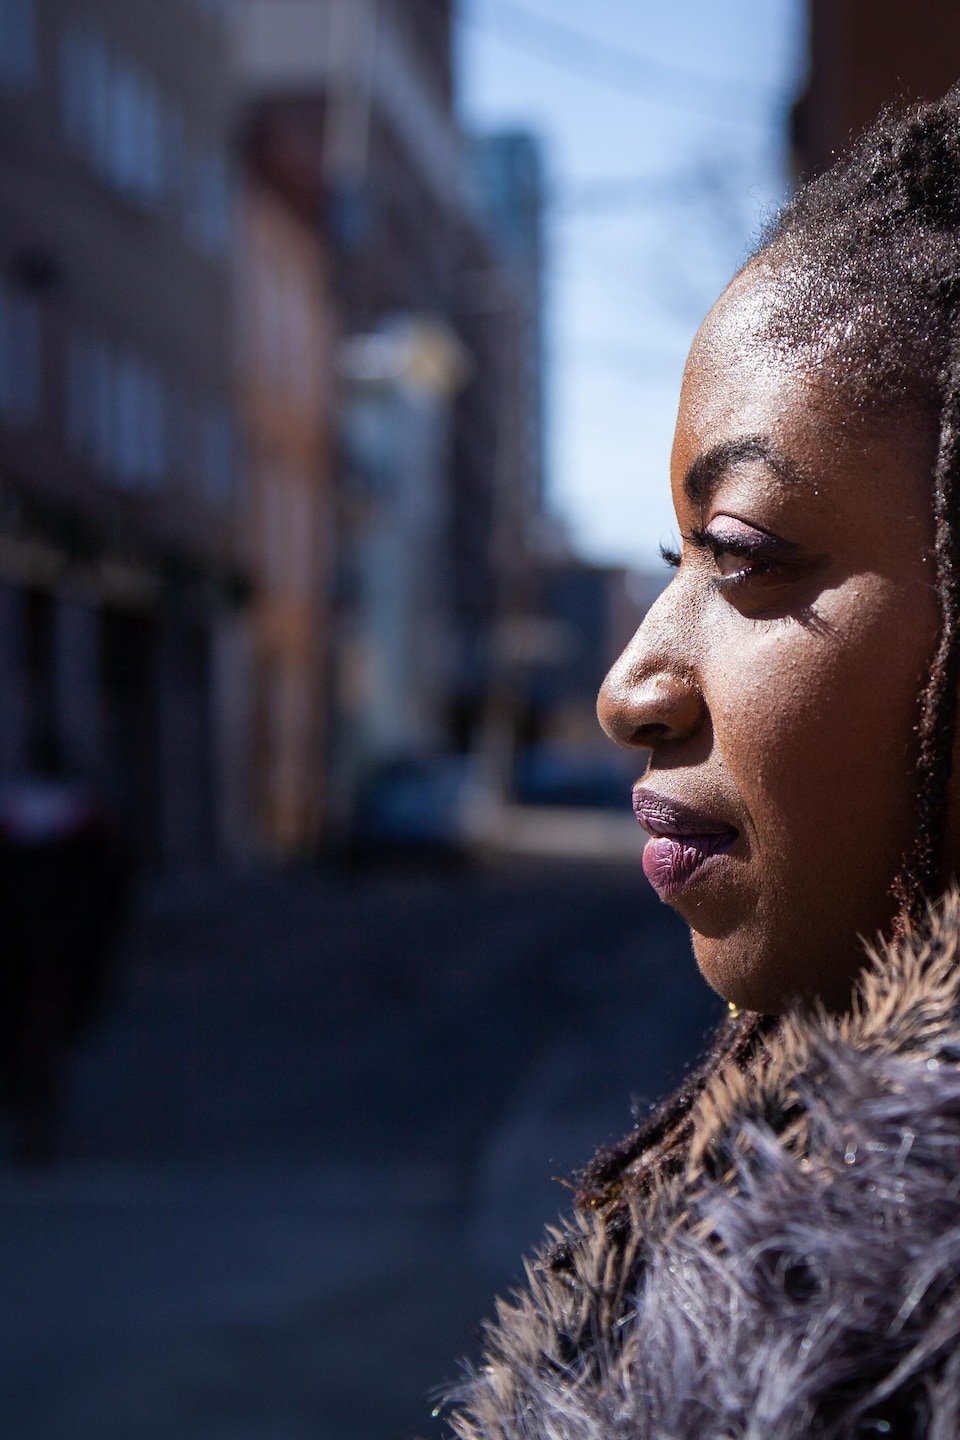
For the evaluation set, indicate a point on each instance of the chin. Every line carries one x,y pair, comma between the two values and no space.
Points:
728,971
769,975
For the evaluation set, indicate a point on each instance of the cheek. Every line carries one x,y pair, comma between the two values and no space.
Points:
816,723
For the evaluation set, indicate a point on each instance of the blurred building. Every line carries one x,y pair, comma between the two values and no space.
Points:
438,461
582,617
288,337
498,436
508,185
864,54
397,629
365,86
118,549
585,616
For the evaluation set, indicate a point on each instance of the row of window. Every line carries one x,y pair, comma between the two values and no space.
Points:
133,134
18,37
116,413
129,421
123,414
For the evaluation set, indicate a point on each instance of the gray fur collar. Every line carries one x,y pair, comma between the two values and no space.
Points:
802,1278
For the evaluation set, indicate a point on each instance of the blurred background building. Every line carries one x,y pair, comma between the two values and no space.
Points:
435,301
274,500
297,299
274,505
119,560
271,388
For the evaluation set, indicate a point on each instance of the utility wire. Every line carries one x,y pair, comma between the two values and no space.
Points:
588,197
603,196
620,68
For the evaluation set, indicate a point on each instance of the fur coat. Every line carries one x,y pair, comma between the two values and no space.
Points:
800,1278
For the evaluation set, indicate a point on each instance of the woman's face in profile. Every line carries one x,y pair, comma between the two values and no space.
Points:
775,682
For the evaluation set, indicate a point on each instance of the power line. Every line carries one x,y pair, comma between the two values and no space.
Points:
588,197
617,67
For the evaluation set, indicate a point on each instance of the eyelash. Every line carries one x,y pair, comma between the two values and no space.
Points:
758,562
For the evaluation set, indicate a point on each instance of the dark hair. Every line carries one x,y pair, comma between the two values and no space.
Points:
865,269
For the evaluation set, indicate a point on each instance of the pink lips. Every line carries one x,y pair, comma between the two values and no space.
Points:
682,840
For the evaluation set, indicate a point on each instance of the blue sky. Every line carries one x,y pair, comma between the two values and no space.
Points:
632,268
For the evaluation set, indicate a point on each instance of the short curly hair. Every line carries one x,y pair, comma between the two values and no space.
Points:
867,260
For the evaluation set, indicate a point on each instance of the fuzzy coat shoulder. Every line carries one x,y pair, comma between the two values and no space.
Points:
801,1278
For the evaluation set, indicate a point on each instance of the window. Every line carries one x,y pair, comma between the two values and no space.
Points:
174,151
140,432
216,454
115,115
20,357
117,413
134,137
83,92
88,401
207,201
199,444
134,156
18,59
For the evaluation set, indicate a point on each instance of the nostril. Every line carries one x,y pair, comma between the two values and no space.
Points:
618,719
650,710
647,736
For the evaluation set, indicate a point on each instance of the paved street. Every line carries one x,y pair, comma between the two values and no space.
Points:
315,1137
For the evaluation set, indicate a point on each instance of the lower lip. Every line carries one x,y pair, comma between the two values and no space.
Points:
671,863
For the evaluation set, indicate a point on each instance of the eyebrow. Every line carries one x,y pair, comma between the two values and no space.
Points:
708,469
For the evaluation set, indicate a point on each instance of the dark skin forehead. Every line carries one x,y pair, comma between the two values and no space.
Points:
882,369
748,397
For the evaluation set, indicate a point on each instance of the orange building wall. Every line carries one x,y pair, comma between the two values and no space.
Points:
287,338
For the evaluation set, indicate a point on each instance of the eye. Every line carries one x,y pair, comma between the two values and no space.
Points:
741,553
670,557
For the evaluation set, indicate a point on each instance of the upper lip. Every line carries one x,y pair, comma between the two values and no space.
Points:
672,819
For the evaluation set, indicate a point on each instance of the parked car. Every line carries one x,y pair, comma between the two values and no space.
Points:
554,775
414,805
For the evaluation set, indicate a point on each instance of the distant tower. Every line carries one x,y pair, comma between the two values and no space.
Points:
509,190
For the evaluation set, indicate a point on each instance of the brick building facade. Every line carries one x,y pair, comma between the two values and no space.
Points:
118,473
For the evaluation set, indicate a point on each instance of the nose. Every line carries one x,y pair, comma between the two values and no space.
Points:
648,698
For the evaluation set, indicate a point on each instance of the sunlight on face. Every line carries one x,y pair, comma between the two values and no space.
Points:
776,680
